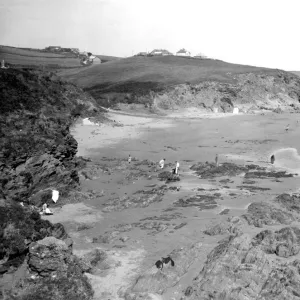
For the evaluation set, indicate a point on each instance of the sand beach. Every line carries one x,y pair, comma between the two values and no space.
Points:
135,231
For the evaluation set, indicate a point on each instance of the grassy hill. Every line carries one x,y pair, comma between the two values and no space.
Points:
34,58
106,58
296,72
170,82
167,70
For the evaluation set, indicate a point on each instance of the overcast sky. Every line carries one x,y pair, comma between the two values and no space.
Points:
253,32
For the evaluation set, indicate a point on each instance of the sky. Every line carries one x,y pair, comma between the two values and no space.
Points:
252,32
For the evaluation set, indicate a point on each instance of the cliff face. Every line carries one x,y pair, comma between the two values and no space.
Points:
36,149
248,91
37,154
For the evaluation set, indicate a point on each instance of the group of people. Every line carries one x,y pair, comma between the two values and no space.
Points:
174,170
162,164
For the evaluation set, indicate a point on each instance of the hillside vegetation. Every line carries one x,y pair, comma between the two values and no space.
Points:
33,58
172,82
160,70
106,58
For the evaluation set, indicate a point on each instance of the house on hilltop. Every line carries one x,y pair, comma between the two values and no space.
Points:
53,48
142,54
183,52
160,52
201,56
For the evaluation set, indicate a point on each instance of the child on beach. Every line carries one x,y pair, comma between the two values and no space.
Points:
46,210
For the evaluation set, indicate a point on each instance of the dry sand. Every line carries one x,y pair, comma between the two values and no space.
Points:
242,139
95,136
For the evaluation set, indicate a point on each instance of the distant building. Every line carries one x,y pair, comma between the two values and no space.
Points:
160,52
83,53
142,54
183,52
201,56
53,48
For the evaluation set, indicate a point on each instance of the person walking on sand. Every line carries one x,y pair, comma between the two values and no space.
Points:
129,159
162,163
217,160
176,167
272,159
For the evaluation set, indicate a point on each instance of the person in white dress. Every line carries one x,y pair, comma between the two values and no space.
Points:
162,163
176,167
129,159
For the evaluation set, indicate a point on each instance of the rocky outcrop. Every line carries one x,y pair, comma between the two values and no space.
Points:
249,92
36,149
201,201
19,228
141,198
168,177
37,154
251,268
52,272
222,228
289,202
36,258
210,170
260,214
157,281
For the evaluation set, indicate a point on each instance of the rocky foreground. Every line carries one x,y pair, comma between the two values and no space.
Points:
261,263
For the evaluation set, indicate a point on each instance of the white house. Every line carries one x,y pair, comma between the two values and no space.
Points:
235,110
183,52
160,52
201,56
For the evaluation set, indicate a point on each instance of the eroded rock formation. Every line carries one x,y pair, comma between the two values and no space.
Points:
37,154
36,149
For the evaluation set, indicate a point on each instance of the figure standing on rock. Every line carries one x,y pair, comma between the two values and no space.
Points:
175,170
272,159
217,160
129,159
162,163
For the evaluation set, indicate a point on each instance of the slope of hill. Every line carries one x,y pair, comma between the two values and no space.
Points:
164,70
34,58
169,82
106,58
295,72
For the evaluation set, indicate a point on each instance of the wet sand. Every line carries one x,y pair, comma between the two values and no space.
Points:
243,139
